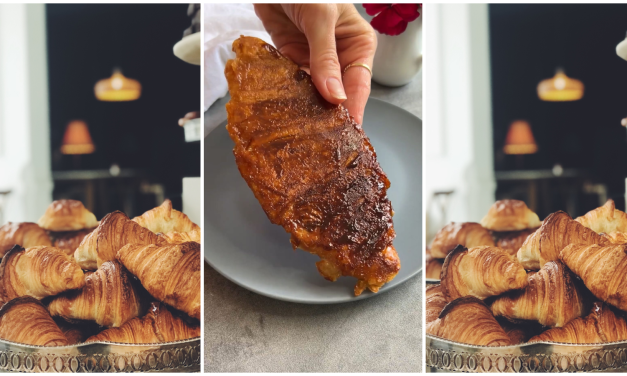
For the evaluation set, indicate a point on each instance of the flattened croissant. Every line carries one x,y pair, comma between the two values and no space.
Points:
158,326
26,234
182,237
552,298
26,320
434,303
110,297
38,272
605,219
481,272
170,273
468,320
510,215
601,325
557,231
164,219
603,269
433,266
468,234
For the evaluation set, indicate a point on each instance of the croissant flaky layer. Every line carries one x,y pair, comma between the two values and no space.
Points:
605,219
552,298
603,269
433,266
468,234
481,272
38,272
435,302
164,219
182,237
110,297
170,273
26,234
557,231
26,320
157,326
510,215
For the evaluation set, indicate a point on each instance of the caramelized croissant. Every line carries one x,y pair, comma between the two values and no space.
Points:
164,219
512,241
434,303
481,272
158,326
510,215
467,234
605,219
601,325
552,298
182,237
67,215
468,320
26,320
111,297
170,273
433,266
26,234
114,232
557,231
616,237
38,272
603,269
69,240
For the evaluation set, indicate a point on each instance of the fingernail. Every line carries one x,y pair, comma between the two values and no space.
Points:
335,88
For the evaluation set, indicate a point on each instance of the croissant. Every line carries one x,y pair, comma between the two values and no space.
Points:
182,237
519,332
433,266
603,269
616,237
38,272
76,333
601,325
468,320
171,273
510,215
115,231
26,320
26,234
111,297
512,241
158,326
480,272
553,297
69,240
557,231
67,215
605,219
467,234
434,303
164,219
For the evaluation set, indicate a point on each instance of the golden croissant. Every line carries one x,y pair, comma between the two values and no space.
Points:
114,232
601,325
182,237
111,297
616,237
38,272
26,320
468,320
70,240
603,269
157,326
26,234
433,266
512,241
553,297
170,273
67,215
557,231
605,219
481,272
164,219
467,234
434,303
510,215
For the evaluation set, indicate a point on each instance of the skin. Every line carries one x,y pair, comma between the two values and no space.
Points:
325,38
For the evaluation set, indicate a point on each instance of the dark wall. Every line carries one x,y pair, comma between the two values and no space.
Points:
85,43
528,42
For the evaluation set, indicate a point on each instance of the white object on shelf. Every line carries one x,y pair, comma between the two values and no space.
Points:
621,49
188,49
398,58
192,130
191,199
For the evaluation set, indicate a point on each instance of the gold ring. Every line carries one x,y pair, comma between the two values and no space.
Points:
358,65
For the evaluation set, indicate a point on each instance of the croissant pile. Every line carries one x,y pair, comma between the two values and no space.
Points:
512,278
70,279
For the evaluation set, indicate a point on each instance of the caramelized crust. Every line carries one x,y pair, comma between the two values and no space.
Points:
468,234
310,166
26,320
26,234
605,219
510,215
67,215
164,219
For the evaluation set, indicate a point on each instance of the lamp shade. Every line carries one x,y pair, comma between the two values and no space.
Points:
117,88
560,88
520,139
77,139
621,49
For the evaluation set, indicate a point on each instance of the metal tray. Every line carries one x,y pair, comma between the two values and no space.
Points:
179,356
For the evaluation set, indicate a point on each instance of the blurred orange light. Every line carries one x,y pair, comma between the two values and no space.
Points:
520,139
77,139
560,88
117,88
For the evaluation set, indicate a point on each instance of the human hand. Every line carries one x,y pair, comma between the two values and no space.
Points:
326,38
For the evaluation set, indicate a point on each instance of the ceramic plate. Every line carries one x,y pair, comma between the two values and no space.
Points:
242,245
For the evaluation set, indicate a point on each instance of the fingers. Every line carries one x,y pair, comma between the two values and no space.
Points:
357,85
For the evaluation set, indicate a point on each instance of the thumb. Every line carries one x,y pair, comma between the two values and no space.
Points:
324,64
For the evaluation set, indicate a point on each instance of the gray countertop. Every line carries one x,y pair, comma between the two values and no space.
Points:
247,332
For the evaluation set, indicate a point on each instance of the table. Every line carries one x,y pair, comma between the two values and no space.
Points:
247,332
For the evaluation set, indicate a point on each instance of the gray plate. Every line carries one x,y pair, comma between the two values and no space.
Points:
242,245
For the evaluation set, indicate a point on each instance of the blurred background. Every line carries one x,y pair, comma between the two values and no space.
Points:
526,101
90,101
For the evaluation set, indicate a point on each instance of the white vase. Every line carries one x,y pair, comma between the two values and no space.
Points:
398,58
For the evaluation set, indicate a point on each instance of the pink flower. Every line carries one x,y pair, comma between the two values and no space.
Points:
392,19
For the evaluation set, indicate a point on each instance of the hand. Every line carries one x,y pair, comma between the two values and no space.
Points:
325,38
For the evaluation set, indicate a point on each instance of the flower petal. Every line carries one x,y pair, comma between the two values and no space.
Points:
374,9
388,22
408,12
